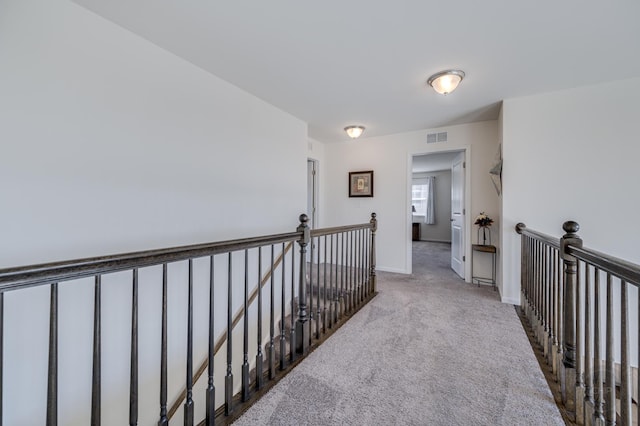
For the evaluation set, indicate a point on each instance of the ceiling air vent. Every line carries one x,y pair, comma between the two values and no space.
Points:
436,137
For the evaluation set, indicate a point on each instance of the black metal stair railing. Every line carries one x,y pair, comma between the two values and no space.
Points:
577,301
335,276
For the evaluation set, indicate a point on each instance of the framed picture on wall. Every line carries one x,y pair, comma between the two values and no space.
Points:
361,184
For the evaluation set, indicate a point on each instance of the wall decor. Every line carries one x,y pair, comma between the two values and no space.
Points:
361,184
496,171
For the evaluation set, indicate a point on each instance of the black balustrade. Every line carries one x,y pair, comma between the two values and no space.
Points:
577,302
319,285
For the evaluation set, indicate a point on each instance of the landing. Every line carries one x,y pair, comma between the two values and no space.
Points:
429,349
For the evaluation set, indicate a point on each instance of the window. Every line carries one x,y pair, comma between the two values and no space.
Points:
419,199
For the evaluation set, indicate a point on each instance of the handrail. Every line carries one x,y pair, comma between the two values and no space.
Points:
574,321
336,229
223,336
522,229
354,257
627,271
46,273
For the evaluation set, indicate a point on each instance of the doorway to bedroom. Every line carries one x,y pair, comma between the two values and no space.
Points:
437,205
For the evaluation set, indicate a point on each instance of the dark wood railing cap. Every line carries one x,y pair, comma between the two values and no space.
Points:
520,227
570,227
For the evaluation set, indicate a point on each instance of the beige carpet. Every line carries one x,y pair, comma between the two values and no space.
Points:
430,349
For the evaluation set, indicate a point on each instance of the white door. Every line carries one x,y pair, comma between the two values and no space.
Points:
457,214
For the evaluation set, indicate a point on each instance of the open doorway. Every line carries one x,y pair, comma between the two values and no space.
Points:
437,203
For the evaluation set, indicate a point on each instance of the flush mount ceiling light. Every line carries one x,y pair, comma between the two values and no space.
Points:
354,132
446,82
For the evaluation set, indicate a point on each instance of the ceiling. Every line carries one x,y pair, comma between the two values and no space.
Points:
335,63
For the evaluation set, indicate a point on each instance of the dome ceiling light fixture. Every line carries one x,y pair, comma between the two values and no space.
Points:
446,82
354,132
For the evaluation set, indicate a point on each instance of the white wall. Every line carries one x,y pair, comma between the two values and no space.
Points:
110,144
572,155
390,159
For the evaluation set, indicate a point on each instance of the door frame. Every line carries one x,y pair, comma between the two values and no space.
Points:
313,185
467,205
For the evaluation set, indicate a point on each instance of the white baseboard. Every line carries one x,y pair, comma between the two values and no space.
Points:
511,300
394,270
436,241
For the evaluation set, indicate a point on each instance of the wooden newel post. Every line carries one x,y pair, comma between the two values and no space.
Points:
302,329
568,375
372,254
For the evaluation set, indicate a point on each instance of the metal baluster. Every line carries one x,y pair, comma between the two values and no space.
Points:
318,310
1,351
529,273
245,322
259,355
552,310
360,282
292,337
579,355
228,379
625,373
133,383
338,275
530,293
325,311
350,261
52,381
356,270
540,289
523,269
283,305
588,348
560,278
188,405
610,378
354,267
598,414
357,266
343,274
534,286
543,284
346,272
272,327
96,370
318,291
365,272
311,310
211,389
550,321
331,285
164,420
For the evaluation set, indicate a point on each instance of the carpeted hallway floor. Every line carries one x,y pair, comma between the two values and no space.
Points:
430,349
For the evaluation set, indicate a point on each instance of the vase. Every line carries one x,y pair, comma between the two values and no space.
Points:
484,235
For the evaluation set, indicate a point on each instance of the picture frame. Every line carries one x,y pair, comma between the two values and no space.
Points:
361,184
